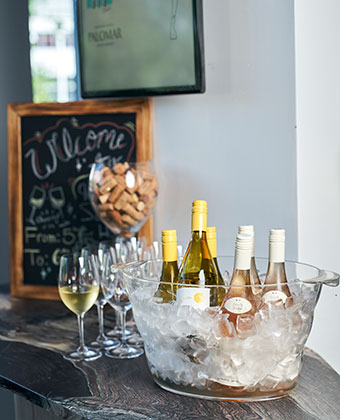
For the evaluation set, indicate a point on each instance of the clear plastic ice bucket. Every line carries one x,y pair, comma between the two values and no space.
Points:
200,353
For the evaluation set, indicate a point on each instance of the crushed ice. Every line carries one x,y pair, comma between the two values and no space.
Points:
188,347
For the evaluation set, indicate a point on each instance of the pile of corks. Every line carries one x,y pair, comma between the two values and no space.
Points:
125,196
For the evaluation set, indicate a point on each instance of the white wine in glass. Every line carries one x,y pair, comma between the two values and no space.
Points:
79,299
78,289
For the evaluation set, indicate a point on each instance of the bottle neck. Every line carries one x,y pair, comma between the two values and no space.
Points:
169,251
240,277
276,252
212,247
242,259
276,268
199,221
253,249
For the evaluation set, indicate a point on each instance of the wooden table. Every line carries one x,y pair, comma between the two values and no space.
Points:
34,334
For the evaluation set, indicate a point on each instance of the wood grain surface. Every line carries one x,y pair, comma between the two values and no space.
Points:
34,334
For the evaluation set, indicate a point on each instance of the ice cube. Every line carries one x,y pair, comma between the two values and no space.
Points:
270,382
245,326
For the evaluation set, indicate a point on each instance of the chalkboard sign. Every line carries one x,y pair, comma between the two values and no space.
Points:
51,149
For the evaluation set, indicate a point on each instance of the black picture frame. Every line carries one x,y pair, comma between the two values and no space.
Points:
198,74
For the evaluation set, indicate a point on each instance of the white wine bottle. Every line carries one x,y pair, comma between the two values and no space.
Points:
240,298
198,268
211,240
169,276
254,277
275,285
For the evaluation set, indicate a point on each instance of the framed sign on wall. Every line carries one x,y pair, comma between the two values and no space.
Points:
51,148
139,47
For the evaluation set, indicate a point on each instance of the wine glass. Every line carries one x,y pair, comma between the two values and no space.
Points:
98,255
113,286
125,250
114,247
78,289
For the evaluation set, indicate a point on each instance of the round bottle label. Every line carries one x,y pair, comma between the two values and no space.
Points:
238,305
274,295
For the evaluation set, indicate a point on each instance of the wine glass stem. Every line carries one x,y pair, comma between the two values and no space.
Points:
100,309
80,318
122,321
118,322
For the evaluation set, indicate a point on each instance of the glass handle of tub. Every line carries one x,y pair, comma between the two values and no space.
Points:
329,278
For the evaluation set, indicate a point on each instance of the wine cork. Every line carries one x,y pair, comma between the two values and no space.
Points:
105,207
140,206
116,193
131,211
116,215
103,198
121,181
134,198
145,198
108,183
122,200
129,220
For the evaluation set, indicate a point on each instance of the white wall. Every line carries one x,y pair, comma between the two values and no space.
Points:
235,145
318,157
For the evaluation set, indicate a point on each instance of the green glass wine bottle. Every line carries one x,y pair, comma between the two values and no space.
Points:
169,276
198,268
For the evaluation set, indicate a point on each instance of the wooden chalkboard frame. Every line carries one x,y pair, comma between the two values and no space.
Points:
143,110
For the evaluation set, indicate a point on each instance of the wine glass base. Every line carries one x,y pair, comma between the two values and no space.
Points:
87,355
125,352
118,332
135,340
106,343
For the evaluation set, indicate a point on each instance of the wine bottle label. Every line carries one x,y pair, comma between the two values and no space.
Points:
274,295
197,297
238,305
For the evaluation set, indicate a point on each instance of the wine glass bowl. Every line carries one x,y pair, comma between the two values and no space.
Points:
124,196
204,353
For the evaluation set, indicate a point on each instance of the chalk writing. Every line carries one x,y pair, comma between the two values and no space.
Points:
57,157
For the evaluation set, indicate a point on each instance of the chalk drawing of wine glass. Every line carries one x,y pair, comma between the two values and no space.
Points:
36,201
57,199
173,32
